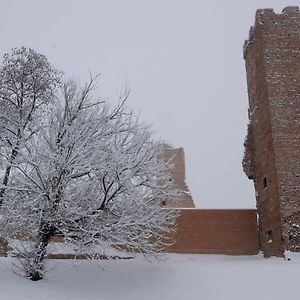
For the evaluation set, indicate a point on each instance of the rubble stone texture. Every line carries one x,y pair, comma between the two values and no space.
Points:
272,146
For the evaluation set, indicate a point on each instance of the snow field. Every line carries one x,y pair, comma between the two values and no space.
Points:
179,276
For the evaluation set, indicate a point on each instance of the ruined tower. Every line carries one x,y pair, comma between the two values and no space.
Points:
272,154
176,157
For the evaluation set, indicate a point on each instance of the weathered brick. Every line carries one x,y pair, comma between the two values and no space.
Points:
272,154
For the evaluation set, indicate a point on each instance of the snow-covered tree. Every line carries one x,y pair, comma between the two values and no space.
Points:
92,174
27,85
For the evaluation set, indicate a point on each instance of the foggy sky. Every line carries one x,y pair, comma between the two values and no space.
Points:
182,61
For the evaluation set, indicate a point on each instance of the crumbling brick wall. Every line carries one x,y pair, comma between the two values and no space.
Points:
176,158
272,154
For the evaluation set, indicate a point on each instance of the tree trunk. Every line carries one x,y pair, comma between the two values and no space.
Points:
14,153
35,270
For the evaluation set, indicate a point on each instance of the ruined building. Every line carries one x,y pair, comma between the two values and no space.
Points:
176,156
272,154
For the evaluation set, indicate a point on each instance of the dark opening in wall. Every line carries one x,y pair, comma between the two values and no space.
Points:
270,237
265,183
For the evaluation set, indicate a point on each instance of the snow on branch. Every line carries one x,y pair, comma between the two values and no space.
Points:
94,175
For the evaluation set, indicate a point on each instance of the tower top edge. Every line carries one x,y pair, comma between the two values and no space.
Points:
267,16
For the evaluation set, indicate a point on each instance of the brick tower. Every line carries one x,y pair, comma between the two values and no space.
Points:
176,156
272,154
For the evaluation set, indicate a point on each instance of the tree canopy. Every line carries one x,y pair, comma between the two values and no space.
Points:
83,169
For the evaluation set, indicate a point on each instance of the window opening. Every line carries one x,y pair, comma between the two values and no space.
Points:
270,238
265,183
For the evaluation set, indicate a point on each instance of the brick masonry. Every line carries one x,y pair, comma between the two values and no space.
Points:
208,231
216,231
272,154
176,157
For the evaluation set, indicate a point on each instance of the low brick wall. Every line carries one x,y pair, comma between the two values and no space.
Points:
216,231
210,231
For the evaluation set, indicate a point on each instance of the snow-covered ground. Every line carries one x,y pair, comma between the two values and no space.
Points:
178,277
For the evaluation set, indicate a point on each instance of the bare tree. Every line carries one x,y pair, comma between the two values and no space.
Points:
94,175
27,85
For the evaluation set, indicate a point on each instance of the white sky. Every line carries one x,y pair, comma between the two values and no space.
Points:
182,60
